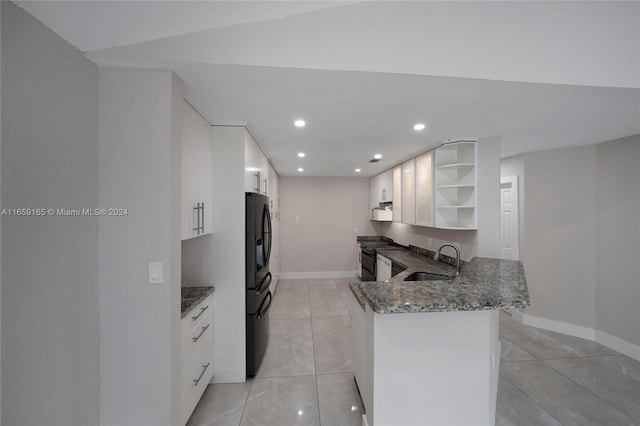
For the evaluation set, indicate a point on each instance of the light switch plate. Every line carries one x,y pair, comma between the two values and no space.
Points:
155,273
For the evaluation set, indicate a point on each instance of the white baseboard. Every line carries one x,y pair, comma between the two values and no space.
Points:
615,343
558,326
323,274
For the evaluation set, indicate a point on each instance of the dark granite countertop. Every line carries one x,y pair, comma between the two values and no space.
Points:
483,284
191,296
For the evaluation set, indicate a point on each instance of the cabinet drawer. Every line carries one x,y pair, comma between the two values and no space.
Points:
195,378
198,343
196,316
197,355
195,358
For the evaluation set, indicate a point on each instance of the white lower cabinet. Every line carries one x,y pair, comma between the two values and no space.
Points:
383,268
361,359
197,355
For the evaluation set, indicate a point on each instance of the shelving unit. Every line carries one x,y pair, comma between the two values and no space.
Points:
455,185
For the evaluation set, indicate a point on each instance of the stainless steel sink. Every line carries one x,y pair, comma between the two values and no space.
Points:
427,276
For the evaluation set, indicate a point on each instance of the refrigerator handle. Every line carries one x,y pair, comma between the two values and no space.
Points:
262,312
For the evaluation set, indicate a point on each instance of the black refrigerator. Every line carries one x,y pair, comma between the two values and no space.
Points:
258,278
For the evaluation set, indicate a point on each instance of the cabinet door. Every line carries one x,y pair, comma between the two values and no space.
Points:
409,192
383,268
359,348
397,191
253,173
273,189
196,174
374,197
386,186
266,176
424,189
205,176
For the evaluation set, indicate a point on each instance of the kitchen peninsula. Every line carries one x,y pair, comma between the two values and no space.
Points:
428,352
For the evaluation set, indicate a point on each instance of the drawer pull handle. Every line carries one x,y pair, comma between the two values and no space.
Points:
200,314
195,339
204,368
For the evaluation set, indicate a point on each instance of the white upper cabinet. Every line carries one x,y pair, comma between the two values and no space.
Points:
256,167
424,189
397,190
455,185
273,190
380,191
409,192
196,174
437,188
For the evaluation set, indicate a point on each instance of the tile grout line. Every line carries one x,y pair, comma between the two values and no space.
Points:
542,331
529,397
246,399
563,375
582,355
588,390
534,360
610,367
313,346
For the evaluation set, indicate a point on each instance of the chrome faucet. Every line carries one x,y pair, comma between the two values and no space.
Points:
437,255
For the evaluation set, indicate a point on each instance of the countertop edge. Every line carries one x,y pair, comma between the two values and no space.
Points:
517,295
189,301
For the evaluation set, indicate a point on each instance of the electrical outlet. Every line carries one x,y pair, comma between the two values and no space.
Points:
430,241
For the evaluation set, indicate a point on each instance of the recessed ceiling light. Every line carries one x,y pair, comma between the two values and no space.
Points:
300,169
301,154
377,156
299,123
419,126
358,170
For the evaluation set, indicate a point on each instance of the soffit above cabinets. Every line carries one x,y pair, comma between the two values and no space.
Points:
539,75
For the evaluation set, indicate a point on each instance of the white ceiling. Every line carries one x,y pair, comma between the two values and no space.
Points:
537,74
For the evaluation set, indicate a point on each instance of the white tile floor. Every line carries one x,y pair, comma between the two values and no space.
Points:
306,376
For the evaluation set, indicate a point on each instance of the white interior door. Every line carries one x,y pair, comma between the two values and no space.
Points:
509,223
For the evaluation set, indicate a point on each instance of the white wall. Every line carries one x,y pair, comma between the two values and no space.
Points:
618,239
581,242
488,197
139,128
559,243
50,306
318,217
226,254
1,60
196,262
429,238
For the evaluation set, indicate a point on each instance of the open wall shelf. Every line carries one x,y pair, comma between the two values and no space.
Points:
455,185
